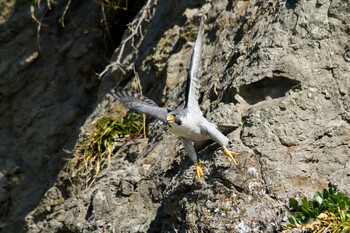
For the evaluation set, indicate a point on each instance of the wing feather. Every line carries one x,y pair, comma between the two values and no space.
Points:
214,133
192,85
139,103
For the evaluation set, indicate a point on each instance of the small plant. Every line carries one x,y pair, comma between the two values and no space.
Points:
94,153
327,211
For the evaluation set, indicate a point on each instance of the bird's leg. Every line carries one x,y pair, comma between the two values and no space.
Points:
229,155
199,171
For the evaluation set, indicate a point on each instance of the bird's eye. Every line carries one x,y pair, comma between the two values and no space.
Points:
174,115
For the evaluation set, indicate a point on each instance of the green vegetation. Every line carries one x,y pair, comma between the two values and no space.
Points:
327,211
94,153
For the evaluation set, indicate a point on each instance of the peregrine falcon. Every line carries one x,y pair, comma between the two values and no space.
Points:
188,123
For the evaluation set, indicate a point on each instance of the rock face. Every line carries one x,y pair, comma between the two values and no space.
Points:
277,70
47,88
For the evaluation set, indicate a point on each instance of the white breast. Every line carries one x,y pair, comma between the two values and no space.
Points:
190,128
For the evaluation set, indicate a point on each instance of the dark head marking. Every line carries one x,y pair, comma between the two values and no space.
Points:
178,121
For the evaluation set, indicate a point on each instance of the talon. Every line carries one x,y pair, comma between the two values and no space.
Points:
229,155
199,172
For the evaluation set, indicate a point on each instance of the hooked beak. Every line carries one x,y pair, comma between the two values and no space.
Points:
170,118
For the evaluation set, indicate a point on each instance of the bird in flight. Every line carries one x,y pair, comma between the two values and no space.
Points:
188,123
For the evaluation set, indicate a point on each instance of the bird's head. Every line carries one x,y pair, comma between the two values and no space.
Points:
174,118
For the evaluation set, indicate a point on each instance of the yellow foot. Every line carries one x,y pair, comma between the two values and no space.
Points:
199,172
229,155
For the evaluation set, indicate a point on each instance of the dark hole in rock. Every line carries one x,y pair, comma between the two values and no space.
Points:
275,87
229,95
119,18
291,4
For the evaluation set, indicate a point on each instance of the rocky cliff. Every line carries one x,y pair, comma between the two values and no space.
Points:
277,71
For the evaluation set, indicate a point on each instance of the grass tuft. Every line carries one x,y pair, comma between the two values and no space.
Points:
94,153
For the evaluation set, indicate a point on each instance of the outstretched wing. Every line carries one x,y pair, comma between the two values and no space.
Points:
214,133
224,129
192,85
139,103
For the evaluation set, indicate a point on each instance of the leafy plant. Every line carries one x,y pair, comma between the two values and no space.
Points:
327,211
94,152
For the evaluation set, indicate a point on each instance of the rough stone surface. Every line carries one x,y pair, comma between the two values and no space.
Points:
47,90
276,71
